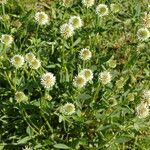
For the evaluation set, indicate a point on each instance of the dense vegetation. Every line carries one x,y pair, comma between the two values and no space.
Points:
74,74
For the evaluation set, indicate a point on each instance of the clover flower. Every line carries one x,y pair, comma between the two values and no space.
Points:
146,20
114,8
29,57
27,148
79,81
142,110
112,63
87,73
85,54
67,3
88,3
105,77
20,97
68,109
76,22
146,97
130,96
48,80
35,63
7,39
17,61
120,83
102,10
143,34
42,18
66,30
3,1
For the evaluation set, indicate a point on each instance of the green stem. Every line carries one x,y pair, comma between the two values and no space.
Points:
9,81
15,82
83,64
37,31
27,118
48,124
72,52
3,9
96,93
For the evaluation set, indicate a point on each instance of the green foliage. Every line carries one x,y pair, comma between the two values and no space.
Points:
105,115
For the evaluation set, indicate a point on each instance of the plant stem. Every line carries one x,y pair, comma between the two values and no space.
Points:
9,81
29,122
48,124
37,31
96,92
3,9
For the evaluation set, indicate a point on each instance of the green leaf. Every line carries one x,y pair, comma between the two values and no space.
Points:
122,139
29,131
1,146
84,96
24,140
61,146
77,42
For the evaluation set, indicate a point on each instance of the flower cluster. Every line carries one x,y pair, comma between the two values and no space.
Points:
48,80
102,10
146,20
146,97
34,63
143,34
143,108
17,61
42,18
87,73
88,3
7,39
20,97
105,77
67,3
3,1
79,81
68,109
85,54
27,148
67,29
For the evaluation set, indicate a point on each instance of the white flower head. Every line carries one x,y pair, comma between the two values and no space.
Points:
88,3
35,63
42,18
102,10
29,57
142,110
87,73
76,22
105,77
68,109
7,39
17,61
68,3
115,8
3,1
146,20
27,148
48,80
120,83
85,54
112,63
143,34
146,97
20,97
79,81
66,30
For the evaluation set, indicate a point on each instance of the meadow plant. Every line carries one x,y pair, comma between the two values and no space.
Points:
74,74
